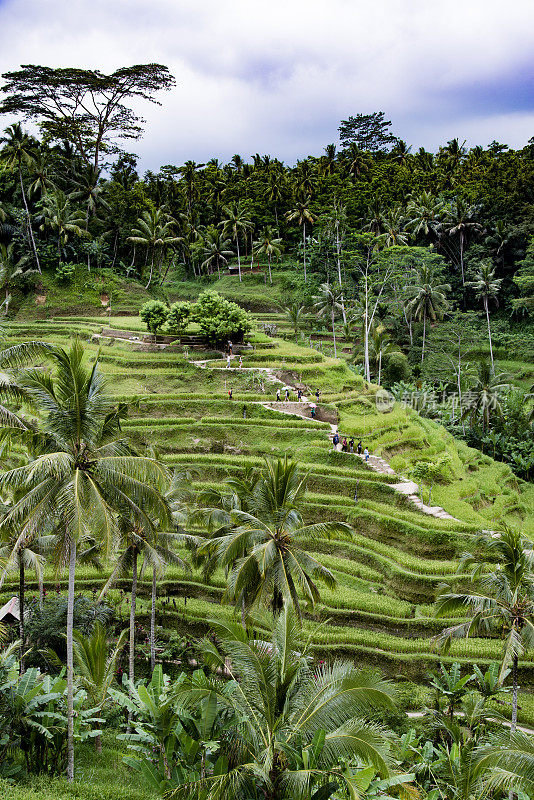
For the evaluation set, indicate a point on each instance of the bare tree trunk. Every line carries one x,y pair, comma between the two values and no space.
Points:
304,244
424,337
70,662
238,257
153,621
131,655
21,610
338,253
513,726
270,276
462,257
334,333
486,307
379,366
30,229
151,270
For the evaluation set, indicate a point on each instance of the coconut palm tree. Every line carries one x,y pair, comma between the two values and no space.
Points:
268,245
301,214
96,665
486,288
427,300
58,216
265,549
190,178
299,724
500,598
155,232
327,303
236,223
18,151
484,395
295,314
460,221
380,345
216,250
425,214
393,225
81,476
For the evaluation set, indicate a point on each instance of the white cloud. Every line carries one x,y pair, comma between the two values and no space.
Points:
278,77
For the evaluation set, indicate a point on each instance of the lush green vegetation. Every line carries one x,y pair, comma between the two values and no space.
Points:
141,465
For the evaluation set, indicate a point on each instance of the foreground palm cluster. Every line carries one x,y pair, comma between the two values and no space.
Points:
236,481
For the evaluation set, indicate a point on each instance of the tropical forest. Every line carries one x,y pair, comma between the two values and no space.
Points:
267,460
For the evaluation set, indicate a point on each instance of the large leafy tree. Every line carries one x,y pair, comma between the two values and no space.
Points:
85,107
265,548
297,725
82,476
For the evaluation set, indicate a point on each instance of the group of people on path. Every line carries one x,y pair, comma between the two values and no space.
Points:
348,446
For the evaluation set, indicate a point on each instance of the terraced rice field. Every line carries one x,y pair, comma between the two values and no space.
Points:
388,573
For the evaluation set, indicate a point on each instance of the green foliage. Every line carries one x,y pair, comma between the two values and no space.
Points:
220,319
177,317
154,315
65,273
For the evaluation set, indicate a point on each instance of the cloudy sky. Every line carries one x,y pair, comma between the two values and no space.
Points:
277,76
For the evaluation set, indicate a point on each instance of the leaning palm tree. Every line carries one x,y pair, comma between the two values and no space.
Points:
500,598
268,245
486,288
96,665
427,300
302,731
236,223
327,303
18,151
265,549
81,475
301,214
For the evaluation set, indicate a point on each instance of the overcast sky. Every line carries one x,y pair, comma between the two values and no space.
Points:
277,76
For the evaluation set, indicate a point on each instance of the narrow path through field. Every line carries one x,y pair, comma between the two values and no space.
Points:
376,463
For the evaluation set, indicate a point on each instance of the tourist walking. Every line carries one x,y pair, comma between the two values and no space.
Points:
240,362
287,395
230,394
366,454
313,410
351,444
335,440
359,447
230,347
278,394
317,395
344,446
228,360
299,395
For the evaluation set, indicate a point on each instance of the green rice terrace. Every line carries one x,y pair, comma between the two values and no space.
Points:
387,573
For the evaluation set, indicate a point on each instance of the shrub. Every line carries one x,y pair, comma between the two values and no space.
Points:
154,315
220,319
396,368
177,317
65,273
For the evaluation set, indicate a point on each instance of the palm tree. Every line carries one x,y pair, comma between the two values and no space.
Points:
18,150
298,724
95,665
427,300
301,214
486,288
295,314
500,599
356,161
393,226
484,395
80,477
328,161
264,548
236,222
461,222
426,214
155,232
327,303
268,246
88,189
190,178
58,216
22,557
380,344
276,180
216,250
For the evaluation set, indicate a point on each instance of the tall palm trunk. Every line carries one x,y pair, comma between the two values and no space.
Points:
334,333
238,257
379,366
21,610
131,658
153,621
486,308
151,270
270,276
424,336
462,257
70,661
338,254
30,229
515,688
304,246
